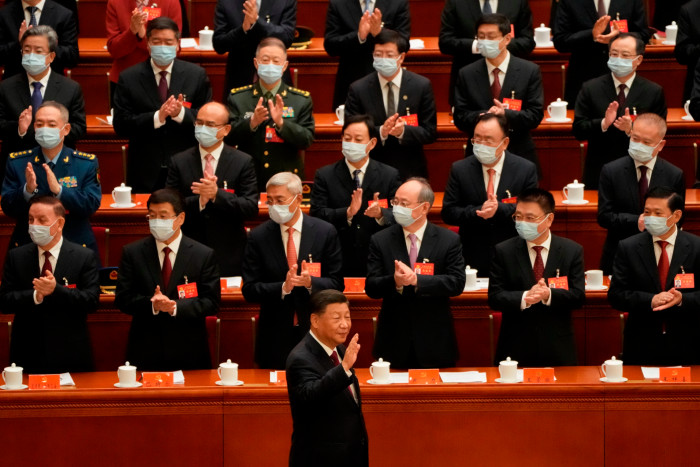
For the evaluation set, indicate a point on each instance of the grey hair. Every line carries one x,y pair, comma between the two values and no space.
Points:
288,179
426,194
57,105
43,30
652,119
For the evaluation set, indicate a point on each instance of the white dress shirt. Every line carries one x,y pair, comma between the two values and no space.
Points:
544,253
168,76
362,170
37,13
650,167
53,259
174,246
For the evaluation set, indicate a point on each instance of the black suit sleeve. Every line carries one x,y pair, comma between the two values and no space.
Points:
455,209
353,102
574,297
9,38
14,298
86,295
379,283
623,294
244,201
128,297
127,121
67,51
465,117
532,113
586,123
308,387
449,41
283,31
320,204
566,36
523,43
226,34
687,48
426,131
255,289
337,41
608,218
206,303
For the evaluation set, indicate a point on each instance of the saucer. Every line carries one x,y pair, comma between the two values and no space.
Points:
122,206
372,381
21,386
544,44
557,120
579,203
499,380
596,287
135,385
605,380
687,118
221,383
338,122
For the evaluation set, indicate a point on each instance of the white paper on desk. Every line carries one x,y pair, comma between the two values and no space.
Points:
651,372
66,379
482,283
188,43
178,377
233,281
417,44
462,377
399,378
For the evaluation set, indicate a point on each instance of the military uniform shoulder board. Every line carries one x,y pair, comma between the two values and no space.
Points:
299,91
84,155
243,88
20,154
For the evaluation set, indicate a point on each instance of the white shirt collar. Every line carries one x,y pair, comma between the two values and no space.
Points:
327,349
396,81
498,167
352,168
157,70
546,244
297,225
216,153
54,251
503,66
649,165
629,82
419,233
39,6
671,239
44,81
174,245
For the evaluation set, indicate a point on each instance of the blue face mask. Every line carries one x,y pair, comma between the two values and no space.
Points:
48,138
489,48
403,215
656,226
163,55
385,66
206,135
34,64
270,73
354,152
486,154
621,67
162,229
640,152
528,231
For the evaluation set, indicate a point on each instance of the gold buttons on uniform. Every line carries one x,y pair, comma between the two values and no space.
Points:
296,170
266,165
265,153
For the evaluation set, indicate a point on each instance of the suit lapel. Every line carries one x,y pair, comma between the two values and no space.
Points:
635,93
30,263
22,91
609,88
554,258
153,263
427,246
482,82
63,265
507,178
475,9
512,73
645,249
308,237
177,79
222,167
522,258
182,259
377,97
398,245
148,84
681,250
53,87
342,175
278,252
370,176
404,91
195,163
633,185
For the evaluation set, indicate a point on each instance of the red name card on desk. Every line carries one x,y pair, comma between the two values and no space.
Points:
162,379
355,284
44,381
538,375
675,375
431,376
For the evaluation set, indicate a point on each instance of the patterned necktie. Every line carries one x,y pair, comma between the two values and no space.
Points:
663,263
37,98
601,9
47,264
209,167
291,249
390,104
538,267
487,8
32,15
621,99
167,268
643,184
489,187
413,253
496,85
367,3
356,177
163,86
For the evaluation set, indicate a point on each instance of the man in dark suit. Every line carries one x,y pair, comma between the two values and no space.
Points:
158,126
219,187
14,21
240,25
606,106
479,197
458,30
695,97
277,273
22,94
487,84
536,282
350,33
50,286
687,50
663,327
415,328
403,104
52,169
324,393
585,32
624,183
349,193
168,332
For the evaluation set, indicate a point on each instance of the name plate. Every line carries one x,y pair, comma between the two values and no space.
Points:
163,379
383,203
430,376
538,375
354,284
674,375
278,377
44,381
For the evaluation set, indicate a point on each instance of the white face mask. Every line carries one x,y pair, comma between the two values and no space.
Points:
280,213
404,216
162,229
41,234
486,154
354,152
640,152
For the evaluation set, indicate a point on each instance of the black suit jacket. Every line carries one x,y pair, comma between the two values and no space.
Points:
58,17
275,19
51,337
619,205
136,100
415,328
539,335
220,225
660,338
416,97
340,40
695,96
265,270
687,48
162,342
458,30
473,98
330,199
573,33
328,423
591,104
466,193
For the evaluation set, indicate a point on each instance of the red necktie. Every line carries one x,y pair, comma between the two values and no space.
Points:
163,86
167,267
489,188
291,249
663,263
47,264
538,267
336,362
601,9
496,85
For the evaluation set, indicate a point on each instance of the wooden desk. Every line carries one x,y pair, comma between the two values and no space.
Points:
576,421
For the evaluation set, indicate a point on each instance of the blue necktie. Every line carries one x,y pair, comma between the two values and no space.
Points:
32,18
356,177
487,8
367,2
36,97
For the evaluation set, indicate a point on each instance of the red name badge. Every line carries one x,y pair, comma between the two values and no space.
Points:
71,286
271,136
430,376
684,281
153,13
281,377
511,200
424,269
410,120
44,381
187,104
157,379
621,25
383,203
187,290
229,190
355,284
558,283
512,104
538,375
675,375
314,269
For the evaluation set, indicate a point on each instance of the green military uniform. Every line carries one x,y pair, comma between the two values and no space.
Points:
273,150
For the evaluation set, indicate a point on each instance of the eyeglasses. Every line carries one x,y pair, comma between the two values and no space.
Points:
519,218
209,124
156,216
624,55
272,202
404,204
487,142
380,55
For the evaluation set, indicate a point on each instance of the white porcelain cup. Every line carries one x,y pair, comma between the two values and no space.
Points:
471,278
380,371
594,278
612,369
509,370
686,107
671,32
127,375
573,192
12,376
228,372
122,195
206,36
340,112
557,109
542,34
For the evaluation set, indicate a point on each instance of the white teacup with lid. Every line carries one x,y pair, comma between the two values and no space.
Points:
557,109
573,192
543,36
380,371
340,113
228,372
470,283
612,369
509,370
206,36
121,195
12,375
671,33
127,375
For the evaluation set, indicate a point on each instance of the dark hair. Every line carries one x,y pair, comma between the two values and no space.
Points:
321,299
361,118
57,105
501,119
58,208
640,47
42,30
498,19
674,201
160,23
426,194
389,36
167,195
539,196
